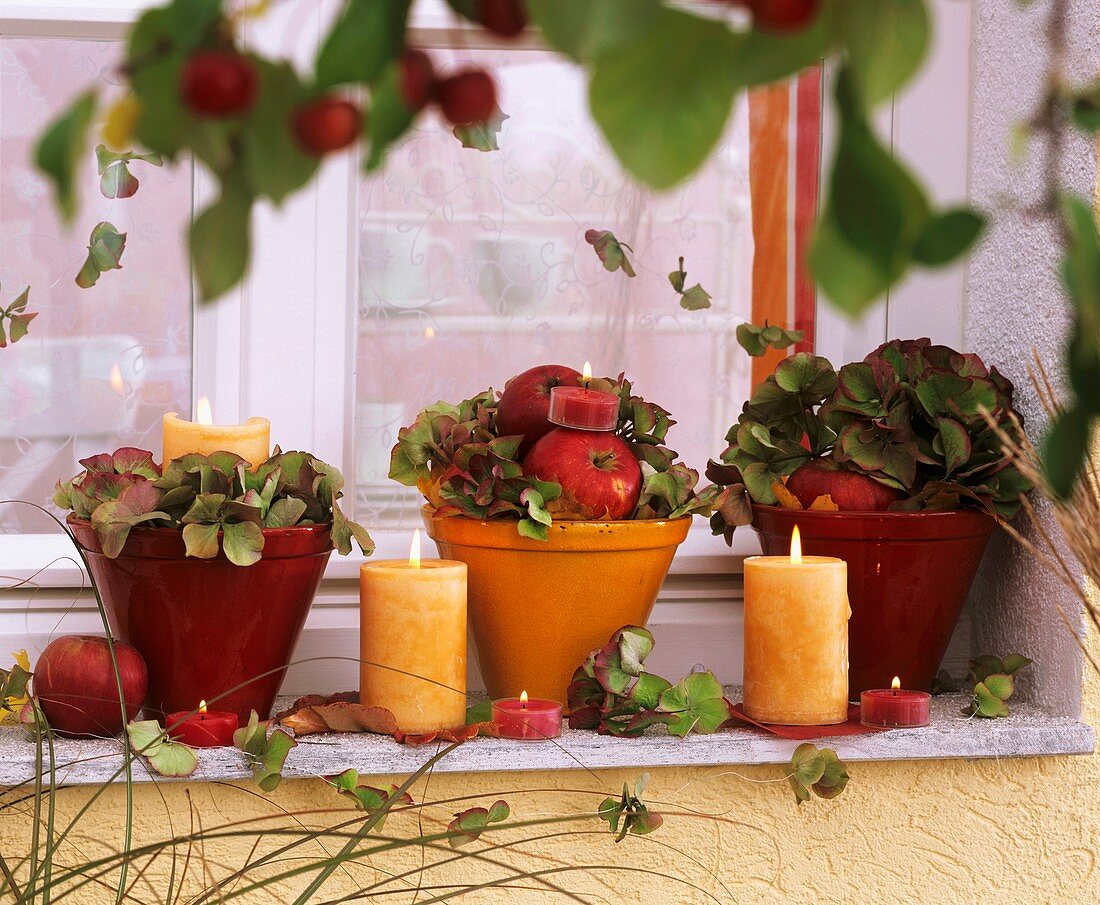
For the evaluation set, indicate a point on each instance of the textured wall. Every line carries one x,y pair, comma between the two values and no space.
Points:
1015,302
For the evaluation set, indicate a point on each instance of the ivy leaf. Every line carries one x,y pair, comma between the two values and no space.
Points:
105,247
368,35
663,119
264,753
61,148
482,136
221,241
692,299
468,825
696,703
757,340
18,318
167,757
610,250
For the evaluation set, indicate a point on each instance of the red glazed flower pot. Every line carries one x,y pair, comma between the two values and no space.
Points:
205,626
908,577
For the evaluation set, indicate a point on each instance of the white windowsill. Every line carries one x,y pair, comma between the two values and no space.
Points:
1028,732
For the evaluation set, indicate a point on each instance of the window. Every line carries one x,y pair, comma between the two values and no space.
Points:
100,365
368,299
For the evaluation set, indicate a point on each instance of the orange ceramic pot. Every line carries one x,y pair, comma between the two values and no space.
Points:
537,608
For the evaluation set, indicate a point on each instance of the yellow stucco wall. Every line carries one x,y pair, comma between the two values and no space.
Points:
1020,830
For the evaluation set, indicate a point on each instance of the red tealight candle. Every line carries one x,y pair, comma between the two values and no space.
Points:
528,720
582,408
205,729
894,707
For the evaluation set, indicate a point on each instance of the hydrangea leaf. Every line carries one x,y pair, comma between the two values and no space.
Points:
696,704
243,543
610,250
468,825
201,540
482,136
167,757
61,149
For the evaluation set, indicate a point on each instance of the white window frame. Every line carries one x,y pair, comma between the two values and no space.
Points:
310,401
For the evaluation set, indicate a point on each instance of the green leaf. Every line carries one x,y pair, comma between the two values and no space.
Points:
584,30
1013,663
955,441
886,42
389,119
1001,685
167,757
1065,448
284,513
118,182
243,543
61,148
986,704
696,703
482,136
273,163
661,108
874,213
695,299
648,689
610,250
200,541
221,241
808,763
834,778
532,529
947,236
1085,107
368,35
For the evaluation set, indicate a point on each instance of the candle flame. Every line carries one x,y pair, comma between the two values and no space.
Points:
116,379
414,550
586,374
796,546
204,413
523,699
202,706
896,684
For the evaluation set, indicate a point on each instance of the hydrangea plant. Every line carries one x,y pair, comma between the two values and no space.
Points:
215,500
457,458
910,416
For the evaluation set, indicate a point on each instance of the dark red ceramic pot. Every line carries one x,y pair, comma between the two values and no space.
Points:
908,577
205,626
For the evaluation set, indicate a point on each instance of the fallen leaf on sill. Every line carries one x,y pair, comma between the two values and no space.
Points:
342,712
786,499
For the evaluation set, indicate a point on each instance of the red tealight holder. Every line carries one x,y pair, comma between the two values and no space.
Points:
205,729
527,720
584,409
894,707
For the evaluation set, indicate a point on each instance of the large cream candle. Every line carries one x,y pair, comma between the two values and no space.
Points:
251,440
796,638
412,640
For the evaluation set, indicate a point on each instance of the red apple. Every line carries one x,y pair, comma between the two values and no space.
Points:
326,124
525,405
467,97
595,468
850,490
218,83
74,683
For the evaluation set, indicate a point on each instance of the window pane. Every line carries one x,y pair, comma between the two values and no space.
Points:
473,266
100,365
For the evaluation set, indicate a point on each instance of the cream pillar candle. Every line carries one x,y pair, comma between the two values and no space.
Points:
412,640
251,440
796,638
